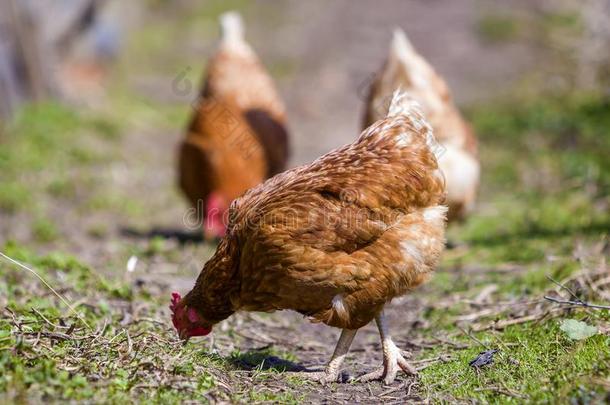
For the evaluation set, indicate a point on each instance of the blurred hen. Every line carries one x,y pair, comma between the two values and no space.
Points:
335,240
407,70
237,137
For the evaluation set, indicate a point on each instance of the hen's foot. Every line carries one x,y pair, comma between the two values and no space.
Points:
332,372
393,360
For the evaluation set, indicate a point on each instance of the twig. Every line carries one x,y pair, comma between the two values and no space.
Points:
485,293
151,320
579,303
409,388
576,301
51,335
391,390
551,279
442,357
430,362
503,391
457,345
475,315
47,321
14,318
499,325
257,338
65,301
468,334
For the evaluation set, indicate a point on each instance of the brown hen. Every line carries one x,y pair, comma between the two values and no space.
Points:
335,240
237,137
409,71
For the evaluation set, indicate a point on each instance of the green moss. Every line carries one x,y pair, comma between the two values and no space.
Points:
112,201
61,187
13,196
536,363
565,21
42,147
44,230
546,179
80,276
498,28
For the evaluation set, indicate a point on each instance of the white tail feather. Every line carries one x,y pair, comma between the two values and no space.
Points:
404,105
232,27
401,46
403,56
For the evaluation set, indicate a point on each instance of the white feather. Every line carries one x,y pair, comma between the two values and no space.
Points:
232,27
411,252
435,214
339,307
232,33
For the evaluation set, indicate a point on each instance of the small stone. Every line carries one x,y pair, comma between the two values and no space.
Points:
483,359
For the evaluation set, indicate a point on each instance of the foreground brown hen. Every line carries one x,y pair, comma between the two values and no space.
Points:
409,71
237,137
335,240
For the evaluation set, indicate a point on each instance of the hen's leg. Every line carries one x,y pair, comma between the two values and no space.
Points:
393,359
333,368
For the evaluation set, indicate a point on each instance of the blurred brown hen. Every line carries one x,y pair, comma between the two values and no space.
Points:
335,240
237,137
409,71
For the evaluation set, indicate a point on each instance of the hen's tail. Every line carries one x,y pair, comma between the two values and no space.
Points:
403,105
231,27
401,47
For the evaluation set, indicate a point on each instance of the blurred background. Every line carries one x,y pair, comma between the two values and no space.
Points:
95,96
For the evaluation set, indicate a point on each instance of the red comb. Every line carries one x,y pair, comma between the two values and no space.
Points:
186,323
176,297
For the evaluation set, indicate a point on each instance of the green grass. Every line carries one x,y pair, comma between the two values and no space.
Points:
44,230
48,136
42,152
497,28
107,359
554,192
537,363
546,179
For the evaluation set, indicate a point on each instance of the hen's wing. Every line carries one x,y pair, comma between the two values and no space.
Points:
273,138
194,169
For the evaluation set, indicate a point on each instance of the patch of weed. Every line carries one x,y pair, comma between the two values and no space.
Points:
498,28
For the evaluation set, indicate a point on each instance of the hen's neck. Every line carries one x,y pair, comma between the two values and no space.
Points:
211,296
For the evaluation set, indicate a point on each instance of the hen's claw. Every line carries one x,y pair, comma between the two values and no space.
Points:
393,360
393,357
